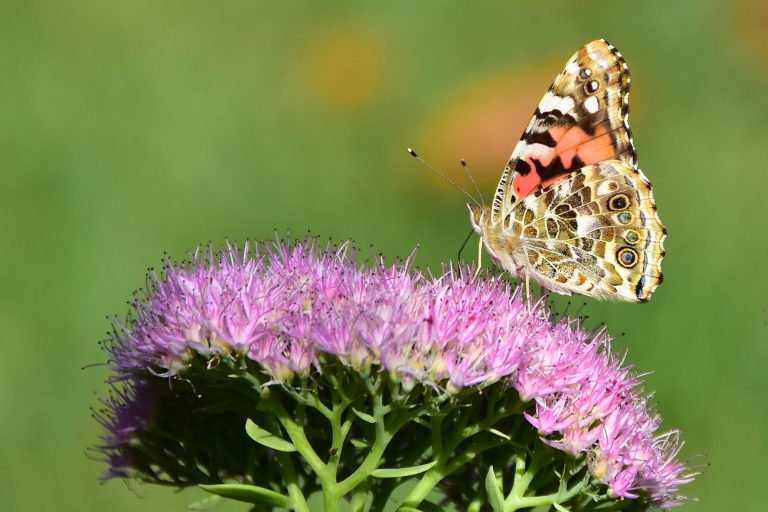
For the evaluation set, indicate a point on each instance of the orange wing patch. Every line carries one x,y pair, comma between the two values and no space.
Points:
591,149
573,148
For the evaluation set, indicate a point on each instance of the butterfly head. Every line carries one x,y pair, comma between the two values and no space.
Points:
478,215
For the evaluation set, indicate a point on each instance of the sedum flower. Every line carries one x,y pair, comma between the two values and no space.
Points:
289,368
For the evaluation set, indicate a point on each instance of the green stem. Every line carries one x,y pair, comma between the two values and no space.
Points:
384,434
296,433
431,478
522,479
292,482
447,460
337,432
285,459
357,504
448,463
548,499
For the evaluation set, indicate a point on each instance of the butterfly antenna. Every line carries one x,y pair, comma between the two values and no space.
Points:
446,178
472,179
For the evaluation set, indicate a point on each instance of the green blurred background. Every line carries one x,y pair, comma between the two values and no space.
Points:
132,128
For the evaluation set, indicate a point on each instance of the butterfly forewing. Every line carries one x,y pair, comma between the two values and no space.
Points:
581,120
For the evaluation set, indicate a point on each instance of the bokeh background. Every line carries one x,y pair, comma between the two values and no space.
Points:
132,128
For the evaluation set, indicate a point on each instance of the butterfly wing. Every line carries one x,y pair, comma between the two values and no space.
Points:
581,120
595,232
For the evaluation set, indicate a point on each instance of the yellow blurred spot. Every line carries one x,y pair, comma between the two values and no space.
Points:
483,125
752,21
344,68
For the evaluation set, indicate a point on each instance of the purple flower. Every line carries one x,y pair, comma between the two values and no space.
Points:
123,414
283,307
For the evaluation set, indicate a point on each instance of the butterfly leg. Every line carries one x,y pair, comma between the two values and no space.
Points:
527,288
479,257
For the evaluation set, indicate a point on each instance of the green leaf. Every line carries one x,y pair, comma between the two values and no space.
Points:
499,433
408,509
398,472
250,494
560,508
493,489
359,443
266,438
206,503
363,416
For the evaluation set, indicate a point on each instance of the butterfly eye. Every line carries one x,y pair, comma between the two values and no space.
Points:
618,202
627,257
592,86
585,73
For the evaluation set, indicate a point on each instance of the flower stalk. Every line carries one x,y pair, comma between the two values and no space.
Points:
287,376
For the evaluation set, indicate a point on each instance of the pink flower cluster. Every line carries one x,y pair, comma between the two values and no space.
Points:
282,304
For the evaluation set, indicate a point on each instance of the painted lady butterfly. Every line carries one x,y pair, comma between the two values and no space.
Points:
572,210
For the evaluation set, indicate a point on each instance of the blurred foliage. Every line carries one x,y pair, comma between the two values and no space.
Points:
132,128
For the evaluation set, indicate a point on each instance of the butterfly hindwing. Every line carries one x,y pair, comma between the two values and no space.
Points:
581,120
595,232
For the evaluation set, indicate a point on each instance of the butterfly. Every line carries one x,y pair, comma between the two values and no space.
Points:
572,211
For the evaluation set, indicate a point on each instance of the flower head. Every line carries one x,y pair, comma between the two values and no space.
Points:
284,308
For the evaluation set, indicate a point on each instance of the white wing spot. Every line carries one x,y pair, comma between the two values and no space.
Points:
552,102
592,104
566,105
549,102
